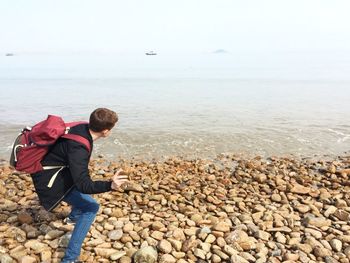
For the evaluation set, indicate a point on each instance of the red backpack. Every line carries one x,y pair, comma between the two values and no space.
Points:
33,143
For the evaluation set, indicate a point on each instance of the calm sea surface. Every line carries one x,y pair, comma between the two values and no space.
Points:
196,105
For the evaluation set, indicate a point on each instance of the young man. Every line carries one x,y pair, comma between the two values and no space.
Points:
71,182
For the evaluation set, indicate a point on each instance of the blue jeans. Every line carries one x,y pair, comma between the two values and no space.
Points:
74,215
84,210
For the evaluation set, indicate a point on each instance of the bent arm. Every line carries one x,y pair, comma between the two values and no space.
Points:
78,161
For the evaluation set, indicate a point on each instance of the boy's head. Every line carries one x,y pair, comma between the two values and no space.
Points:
102,120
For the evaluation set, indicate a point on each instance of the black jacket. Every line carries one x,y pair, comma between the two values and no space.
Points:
76,157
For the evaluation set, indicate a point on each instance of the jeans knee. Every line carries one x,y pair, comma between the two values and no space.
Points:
90,207
94,206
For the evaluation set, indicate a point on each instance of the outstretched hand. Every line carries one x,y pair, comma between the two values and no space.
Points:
119,178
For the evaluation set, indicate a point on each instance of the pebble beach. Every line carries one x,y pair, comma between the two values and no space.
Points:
227,209
233,130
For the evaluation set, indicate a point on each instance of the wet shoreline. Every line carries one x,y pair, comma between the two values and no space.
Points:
147,145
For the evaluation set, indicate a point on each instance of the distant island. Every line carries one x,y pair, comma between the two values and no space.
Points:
220,51
9,54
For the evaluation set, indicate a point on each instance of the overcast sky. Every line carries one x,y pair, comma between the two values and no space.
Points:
181,25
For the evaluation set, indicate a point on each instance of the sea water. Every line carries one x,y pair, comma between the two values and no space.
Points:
189,104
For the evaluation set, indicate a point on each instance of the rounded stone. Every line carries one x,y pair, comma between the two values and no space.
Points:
336,245
165,246
24,218
128,227
167,258
146,254
115,234
276,198
117,255
321,252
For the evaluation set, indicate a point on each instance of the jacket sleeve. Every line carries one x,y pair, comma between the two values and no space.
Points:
78,162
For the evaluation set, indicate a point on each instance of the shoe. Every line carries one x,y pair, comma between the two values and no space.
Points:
68,221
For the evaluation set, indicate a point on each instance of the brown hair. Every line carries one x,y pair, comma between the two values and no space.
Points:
102,119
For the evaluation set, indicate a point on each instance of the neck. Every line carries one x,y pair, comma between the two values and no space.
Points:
95,135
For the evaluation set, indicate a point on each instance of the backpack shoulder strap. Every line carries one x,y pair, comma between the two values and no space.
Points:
79,139
75,123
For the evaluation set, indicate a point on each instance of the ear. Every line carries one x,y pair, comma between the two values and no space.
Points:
105,132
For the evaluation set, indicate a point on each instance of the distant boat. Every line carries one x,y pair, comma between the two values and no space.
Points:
220,51
151,53
9,54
